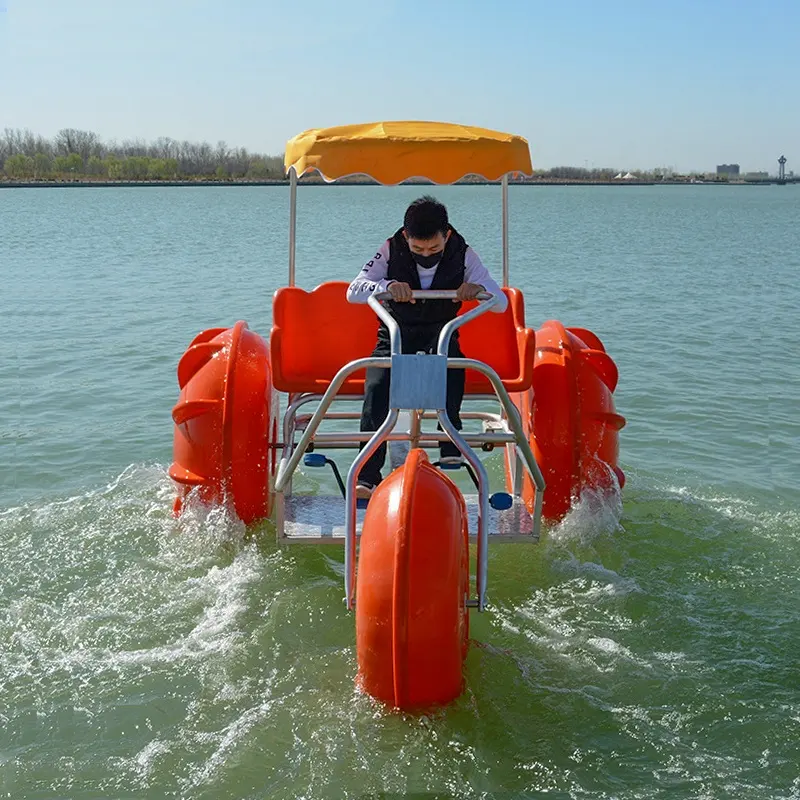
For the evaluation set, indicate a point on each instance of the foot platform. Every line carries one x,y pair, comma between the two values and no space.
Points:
319,519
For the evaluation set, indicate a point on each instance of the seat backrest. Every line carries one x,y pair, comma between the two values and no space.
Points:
316,333
492,338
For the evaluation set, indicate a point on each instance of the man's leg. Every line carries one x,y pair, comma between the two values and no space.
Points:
374,412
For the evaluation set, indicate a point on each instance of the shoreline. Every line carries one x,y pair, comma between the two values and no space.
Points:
6,184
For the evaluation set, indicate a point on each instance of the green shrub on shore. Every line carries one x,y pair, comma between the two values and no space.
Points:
81,155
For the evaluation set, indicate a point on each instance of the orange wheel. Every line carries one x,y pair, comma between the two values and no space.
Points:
412,585
225,422
569,417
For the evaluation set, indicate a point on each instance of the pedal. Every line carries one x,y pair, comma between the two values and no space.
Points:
448,464
492,426
316,460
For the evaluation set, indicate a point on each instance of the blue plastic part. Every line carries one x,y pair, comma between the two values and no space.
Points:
453,465
314,459
362,503
501,501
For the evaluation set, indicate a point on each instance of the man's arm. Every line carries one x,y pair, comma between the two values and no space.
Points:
372,278
476,272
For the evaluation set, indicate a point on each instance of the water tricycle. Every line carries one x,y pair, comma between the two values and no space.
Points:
407,552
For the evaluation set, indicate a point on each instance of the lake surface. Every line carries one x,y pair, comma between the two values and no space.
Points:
648,650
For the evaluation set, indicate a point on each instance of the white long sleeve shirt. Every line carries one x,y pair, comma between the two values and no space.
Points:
372,278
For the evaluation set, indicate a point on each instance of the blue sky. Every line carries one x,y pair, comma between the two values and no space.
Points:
622,83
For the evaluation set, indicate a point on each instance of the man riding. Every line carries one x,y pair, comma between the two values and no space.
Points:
426,253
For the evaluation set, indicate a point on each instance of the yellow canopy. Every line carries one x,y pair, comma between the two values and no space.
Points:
391,152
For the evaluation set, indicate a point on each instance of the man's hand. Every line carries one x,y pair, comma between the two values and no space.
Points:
400,292
468,291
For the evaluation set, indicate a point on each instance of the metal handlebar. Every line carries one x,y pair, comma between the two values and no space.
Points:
432,294
485,302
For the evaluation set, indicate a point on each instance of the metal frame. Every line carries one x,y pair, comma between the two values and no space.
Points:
292,224
505,231
518,447
293,453
293,227
294,422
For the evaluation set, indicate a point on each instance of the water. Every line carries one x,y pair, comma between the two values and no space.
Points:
647,651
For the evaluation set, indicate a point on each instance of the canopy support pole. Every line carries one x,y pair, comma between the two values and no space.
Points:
292,222
505,230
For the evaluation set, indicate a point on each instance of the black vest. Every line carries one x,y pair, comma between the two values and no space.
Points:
449,275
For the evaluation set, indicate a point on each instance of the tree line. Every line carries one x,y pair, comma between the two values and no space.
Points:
81,155
578,174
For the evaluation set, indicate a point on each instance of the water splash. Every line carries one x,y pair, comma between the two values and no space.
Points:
192,657
595,513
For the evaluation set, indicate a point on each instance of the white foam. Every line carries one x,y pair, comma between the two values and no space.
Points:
145,760
746,509
107,552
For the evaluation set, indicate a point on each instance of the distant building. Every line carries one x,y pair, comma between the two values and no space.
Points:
782,169
728,169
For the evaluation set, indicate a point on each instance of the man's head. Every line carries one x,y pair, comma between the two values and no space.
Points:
427,230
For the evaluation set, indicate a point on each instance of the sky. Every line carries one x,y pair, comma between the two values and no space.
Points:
628,84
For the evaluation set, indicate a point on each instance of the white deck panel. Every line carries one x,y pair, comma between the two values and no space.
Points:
315,519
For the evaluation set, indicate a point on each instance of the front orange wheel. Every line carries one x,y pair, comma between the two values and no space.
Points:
412,584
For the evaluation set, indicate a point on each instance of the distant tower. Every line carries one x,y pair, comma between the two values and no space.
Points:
782,169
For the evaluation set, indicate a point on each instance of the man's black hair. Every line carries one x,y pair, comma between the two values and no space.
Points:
426,217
